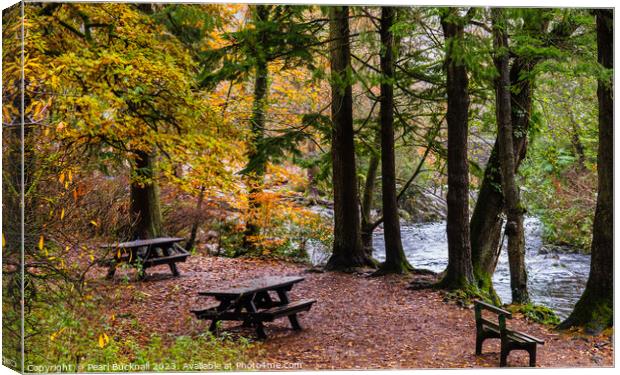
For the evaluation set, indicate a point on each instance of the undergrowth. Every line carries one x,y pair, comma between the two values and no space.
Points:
537,313
464,297
73,336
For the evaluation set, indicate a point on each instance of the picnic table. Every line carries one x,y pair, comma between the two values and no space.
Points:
147,253
250,301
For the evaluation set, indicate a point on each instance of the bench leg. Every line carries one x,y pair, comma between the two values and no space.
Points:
479,341
532,352
503,357
260,331
294,322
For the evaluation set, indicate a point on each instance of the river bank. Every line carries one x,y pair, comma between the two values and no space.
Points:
555,279
557,275
358,322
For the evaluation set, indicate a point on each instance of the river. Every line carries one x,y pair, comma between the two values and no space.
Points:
555,280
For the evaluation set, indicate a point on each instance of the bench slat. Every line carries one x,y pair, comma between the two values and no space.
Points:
492,308
527,337
207,308
288,309
221,315
165,260
489,324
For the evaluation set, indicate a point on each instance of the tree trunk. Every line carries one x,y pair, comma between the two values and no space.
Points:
486,220
594,310
257,125
144,207
459,273
197,220
348,251
514,222
369,190
395,260
575,141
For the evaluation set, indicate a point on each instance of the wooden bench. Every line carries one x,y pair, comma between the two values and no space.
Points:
510,340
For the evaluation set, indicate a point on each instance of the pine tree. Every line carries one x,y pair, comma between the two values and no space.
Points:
459,273
395,259
347,251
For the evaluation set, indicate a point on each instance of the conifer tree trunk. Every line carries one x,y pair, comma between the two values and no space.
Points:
257,125
395,260
144,198
486,221
594,310
459,273
369,190
514,221
348,251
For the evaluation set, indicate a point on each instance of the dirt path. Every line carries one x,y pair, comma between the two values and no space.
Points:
357,322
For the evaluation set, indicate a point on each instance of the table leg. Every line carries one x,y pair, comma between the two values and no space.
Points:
141,273
263,300
111,270
251,308
283,296
294,322
213,326
293,317
135,258
173,266
222,307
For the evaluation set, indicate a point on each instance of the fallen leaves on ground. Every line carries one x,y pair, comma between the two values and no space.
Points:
358,322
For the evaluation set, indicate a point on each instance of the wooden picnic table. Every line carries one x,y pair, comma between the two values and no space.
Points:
147,253
250,301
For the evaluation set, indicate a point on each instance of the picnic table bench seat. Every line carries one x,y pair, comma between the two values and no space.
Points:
510,339
267,315
285,310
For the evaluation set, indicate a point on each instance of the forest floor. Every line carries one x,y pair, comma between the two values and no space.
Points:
358,322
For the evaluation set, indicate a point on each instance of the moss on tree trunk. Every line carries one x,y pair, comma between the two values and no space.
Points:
594,310
459,273
254,179
145,205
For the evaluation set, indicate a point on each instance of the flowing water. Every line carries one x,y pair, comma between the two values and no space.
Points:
555,280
